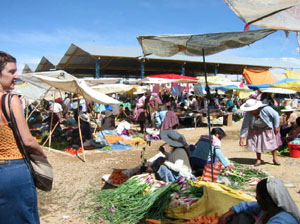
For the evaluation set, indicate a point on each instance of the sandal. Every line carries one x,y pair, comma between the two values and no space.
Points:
259,163
276,163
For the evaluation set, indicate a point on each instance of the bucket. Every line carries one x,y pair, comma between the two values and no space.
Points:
294,150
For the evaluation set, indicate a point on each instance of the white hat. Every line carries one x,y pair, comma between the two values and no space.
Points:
288,109
251,104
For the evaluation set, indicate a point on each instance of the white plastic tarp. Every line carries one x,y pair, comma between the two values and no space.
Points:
79,87
93,82
31,77
29,91
169,45
114,88
272,14
278,90
165,81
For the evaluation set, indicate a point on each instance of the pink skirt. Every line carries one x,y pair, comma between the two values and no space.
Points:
139,114
263,140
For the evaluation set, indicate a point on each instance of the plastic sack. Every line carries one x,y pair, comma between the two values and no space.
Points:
216,198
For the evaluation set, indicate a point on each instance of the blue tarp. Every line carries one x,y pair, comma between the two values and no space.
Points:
222,88
284,81
258,86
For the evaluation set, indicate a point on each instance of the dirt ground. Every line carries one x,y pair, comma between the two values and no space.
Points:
75,180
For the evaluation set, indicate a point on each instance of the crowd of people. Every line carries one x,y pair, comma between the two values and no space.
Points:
262,131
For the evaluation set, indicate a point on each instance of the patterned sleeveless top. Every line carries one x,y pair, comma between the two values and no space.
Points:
8,147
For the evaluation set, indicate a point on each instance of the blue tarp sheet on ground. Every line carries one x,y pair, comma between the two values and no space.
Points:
115,147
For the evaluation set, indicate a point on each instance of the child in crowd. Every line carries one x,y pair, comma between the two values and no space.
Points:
201,154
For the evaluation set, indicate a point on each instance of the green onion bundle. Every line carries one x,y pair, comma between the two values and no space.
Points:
132,201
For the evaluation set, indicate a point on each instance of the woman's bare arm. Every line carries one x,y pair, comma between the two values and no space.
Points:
28,139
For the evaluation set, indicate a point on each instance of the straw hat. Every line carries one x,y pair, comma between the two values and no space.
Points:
173,138
251,104
288,109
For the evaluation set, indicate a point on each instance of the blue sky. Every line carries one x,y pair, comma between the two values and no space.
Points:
32,29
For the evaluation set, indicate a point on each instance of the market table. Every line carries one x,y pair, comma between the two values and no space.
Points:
196,117
199,117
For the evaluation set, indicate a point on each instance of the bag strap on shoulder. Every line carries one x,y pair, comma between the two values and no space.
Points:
3,108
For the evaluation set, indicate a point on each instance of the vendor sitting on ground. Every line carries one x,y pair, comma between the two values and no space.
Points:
52,120
288,120
124,112
35,120
124,127
292,134
175,163
108,122
201,153
274,205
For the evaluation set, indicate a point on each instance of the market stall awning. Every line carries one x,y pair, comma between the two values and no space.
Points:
253,77
115,88
272,14
172,76
293,74
165,81
31,77
79,87
31,91
278,90
293,84
169,45
258,86
98,81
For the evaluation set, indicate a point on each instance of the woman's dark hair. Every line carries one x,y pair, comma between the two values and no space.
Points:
265,201
4,59
218,131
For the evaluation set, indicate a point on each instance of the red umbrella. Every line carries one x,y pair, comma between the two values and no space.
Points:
171,76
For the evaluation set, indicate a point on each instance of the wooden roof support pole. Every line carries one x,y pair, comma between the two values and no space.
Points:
50,133
51,122
79,128
34,109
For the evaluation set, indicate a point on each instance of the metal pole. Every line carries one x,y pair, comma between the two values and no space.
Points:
208,96
98,68
216,70
142,68
182,69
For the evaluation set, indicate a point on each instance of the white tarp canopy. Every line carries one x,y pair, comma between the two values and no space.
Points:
93,82
30,91
42,81
34,89
31,77
272,14
114,88
169,45
165,81
278,90
79,87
